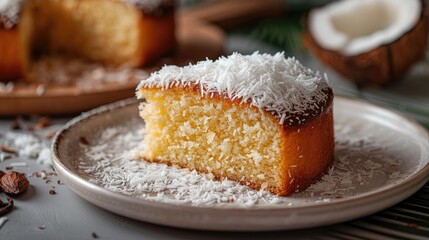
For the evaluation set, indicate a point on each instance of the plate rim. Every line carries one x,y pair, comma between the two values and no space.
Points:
417,178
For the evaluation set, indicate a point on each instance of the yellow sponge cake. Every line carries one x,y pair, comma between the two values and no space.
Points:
263,120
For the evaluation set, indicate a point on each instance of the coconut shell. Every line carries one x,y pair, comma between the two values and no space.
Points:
381,65
10,54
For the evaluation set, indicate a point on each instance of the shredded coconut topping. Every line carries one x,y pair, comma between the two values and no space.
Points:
9,12
361,165
282,86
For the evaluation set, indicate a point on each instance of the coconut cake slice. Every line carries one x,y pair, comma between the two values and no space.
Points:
262,120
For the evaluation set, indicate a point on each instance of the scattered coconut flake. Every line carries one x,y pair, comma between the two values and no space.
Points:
7,87
359,163
18,164
29,144
111,161
159,182
3,220
62,70
40,90
41,227
9,12
44,157
282,86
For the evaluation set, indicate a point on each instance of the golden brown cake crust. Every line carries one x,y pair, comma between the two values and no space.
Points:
311,162
153,41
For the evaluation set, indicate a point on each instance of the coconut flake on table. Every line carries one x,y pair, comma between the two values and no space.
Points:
353,27
277,84
30,144
112,162
40,89
7,87
9,12
44,157
27,145
3,221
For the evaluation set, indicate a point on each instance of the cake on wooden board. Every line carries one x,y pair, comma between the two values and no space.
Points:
263,120
113,32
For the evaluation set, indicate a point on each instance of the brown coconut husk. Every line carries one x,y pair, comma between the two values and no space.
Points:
381,65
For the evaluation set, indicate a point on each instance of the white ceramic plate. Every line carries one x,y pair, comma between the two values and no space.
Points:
381,159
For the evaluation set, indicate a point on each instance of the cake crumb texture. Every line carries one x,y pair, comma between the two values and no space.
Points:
262,120
217,137
234,141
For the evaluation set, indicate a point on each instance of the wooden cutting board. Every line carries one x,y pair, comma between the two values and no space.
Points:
195,41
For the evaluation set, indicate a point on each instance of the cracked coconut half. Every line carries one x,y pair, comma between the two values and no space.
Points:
369,41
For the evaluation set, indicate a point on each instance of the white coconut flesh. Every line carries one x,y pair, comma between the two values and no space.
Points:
353,27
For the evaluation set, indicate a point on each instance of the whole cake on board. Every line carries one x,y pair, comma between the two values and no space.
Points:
112,32
263,120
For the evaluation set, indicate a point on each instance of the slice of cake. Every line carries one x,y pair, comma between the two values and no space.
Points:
265,121
130,33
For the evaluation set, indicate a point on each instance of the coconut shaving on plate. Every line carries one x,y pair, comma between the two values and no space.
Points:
112,163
